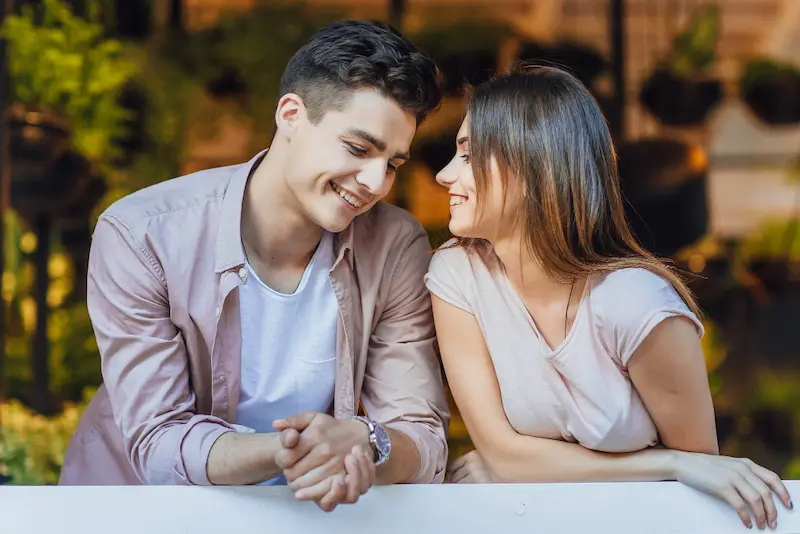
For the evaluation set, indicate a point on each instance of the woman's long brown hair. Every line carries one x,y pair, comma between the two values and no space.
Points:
552,146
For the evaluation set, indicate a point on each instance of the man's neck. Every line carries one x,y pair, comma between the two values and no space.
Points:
274,231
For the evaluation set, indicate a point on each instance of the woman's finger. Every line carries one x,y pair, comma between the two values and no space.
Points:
732,497
773,481
460,475
765,493
457,464
753,499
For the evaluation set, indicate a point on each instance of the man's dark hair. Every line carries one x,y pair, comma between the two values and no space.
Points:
347,55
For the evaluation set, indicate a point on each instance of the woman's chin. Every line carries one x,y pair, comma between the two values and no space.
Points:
460,229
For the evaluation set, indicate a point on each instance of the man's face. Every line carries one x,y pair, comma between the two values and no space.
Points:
344,164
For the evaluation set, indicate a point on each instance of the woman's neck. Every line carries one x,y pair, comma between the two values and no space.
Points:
526,273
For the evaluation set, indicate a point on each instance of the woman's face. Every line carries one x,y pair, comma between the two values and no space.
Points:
458,178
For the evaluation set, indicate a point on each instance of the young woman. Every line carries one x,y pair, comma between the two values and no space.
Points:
572,353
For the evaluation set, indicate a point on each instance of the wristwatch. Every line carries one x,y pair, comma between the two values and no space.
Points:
378,439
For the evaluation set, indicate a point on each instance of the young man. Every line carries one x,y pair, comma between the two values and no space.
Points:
276,295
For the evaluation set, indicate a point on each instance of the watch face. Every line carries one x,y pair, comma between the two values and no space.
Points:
382,442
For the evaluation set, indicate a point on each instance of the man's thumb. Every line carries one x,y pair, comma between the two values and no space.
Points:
299,421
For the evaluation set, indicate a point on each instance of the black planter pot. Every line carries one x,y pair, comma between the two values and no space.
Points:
467,68
665,193
582,61
36,138
776,275
677,101
775,100
39,190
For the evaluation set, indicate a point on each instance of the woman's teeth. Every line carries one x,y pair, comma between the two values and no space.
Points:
455,201
345,195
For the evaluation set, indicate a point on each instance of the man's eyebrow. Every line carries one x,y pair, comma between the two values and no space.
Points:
374,141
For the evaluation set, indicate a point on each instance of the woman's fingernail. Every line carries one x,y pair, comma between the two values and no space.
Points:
791,505
774,525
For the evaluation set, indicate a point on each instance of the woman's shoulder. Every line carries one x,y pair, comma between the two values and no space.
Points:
628,303
453,255
631,282
458,271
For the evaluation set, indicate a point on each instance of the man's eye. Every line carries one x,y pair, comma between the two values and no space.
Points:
356,150
392,168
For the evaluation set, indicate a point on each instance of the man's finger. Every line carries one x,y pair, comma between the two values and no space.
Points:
289,438
335,496
298,421
368,468
354,479
311,477
288,458
316,492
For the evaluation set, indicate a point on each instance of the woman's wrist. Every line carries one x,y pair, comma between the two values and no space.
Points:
669,463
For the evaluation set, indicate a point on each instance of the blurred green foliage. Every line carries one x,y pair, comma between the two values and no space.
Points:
694,50
60,62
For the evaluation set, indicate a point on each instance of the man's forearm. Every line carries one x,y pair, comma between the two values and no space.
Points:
403,462
240,459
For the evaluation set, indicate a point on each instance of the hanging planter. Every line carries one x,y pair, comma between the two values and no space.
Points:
463,58
36,137
771,91
681,92
678,101
583,61
660,178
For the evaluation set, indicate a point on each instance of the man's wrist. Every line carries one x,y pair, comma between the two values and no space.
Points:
378,438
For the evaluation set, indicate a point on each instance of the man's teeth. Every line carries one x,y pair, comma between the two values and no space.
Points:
345,195
455,201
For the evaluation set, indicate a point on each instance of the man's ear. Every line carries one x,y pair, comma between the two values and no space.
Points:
290,111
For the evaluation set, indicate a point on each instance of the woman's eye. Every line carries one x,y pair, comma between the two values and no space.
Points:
465,157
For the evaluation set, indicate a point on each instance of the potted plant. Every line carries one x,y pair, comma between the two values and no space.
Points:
681,92
65,81
771,89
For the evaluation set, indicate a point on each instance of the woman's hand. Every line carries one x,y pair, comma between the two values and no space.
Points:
746,486
469,469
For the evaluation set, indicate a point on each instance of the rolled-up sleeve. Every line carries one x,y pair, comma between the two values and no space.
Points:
144,362
403,381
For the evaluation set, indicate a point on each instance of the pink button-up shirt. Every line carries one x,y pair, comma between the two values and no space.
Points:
164,269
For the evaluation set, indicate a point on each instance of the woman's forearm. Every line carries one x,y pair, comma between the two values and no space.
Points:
529,459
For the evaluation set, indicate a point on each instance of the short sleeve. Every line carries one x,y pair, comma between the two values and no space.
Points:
447,276
632,302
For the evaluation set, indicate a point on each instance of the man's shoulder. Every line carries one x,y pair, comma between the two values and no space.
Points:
172,196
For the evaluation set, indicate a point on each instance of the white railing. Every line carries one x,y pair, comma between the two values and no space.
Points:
621,508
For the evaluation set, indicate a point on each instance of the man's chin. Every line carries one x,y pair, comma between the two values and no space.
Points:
337,224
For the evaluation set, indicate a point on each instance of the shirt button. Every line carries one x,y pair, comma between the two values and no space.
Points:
217,311
243,274
222,378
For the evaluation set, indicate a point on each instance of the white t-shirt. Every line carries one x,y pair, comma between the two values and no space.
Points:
288,346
